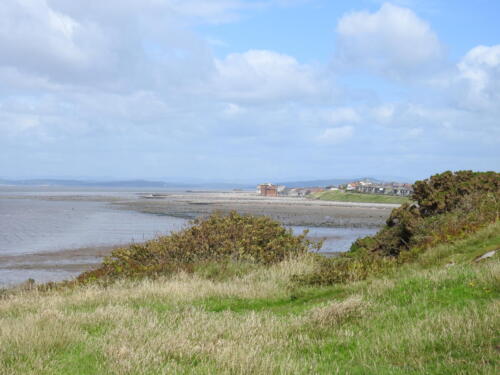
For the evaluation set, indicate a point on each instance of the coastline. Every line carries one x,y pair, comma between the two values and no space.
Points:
296,212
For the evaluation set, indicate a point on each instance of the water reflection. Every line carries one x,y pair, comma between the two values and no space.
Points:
335,239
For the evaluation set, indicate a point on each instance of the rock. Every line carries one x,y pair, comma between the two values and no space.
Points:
489,254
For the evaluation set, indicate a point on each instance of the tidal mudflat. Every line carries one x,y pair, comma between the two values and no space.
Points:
290,211
56,234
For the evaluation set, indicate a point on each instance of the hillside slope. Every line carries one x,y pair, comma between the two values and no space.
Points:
435,315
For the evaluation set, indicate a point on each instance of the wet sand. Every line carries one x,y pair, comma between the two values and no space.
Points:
67,260
290,211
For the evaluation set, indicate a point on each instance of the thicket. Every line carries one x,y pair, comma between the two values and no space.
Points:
444,207
218,239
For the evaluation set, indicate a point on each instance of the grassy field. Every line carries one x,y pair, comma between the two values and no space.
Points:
340,196
437,315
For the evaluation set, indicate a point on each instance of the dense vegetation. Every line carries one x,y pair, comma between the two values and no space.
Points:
221,239
341,196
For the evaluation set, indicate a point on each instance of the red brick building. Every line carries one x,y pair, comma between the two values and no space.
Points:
268,190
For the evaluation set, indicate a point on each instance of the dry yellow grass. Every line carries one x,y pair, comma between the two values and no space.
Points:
34,325
338,311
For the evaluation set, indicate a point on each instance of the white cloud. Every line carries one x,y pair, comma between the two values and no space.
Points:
336,135
34,34
343,115
213,11
106,45
383,113
479,76
392,41
261,75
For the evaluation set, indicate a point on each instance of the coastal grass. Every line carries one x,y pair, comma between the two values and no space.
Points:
436,314
341,196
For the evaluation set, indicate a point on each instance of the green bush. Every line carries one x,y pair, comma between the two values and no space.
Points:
216,239
448,205
446,191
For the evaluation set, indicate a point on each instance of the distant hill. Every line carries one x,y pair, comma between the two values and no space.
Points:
61,182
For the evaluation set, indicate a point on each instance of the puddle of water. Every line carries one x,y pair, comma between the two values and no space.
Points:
335,239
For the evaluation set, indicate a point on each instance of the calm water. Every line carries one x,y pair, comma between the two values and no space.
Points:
32,226
335,239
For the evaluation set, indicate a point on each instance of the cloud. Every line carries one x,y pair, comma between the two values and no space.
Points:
106,45
392,41
343,115
261,75
383,113
200,11
479,78
33,36
233,110
336,135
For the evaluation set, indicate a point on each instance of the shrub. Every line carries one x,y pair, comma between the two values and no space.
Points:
446,191
448,205
217,238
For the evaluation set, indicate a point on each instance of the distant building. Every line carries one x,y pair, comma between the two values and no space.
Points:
388,188
267,190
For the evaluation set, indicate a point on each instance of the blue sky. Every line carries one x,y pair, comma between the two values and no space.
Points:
240,90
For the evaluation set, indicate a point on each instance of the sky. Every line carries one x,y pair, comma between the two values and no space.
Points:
248,90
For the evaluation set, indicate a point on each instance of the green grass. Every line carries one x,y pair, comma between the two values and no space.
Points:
438,314
340,196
